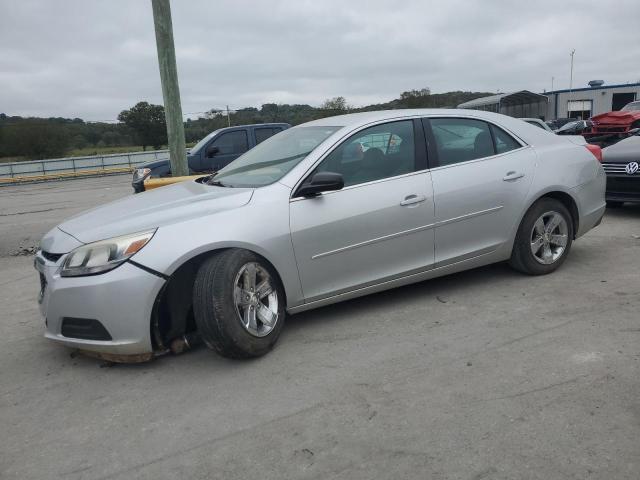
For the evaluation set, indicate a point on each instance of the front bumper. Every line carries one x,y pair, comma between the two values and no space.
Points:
138,183
121,300
623,188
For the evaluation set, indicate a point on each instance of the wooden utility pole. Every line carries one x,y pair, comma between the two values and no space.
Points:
170,88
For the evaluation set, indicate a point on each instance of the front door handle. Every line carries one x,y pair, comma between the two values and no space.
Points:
510,176
412,200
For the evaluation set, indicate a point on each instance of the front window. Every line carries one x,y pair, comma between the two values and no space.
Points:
196,148
232,143
271,160
631,107
378,152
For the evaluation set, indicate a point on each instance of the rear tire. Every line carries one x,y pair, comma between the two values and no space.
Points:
238,304
544,238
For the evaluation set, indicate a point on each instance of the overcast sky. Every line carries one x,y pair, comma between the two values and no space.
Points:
92,59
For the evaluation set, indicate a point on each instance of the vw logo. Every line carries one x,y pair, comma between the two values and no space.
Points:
632,168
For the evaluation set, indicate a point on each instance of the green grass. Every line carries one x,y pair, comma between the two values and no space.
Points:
91,151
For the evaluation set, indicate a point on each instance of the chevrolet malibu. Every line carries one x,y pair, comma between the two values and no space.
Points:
324,212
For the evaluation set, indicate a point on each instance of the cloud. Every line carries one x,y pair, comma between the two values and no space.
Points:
93,59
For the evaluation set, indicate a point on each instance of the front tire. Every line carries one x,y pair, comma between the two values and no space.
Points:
238,304
544,238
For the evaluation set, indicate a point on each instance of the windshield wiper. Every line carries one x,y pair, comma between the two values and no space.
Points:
217,183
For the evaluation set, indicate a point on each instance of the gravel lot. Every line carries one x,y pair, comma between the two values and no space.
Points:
486,374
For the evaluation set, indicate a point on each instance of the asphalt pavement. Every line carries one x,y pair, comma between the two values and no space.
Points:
486,374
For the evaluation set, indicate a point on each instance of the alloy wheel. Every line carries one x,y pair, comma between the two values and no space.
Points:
549,237
256,299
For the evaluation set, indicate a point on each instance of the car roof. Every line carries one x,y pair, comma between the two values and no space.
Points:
347,124
526,131
363,118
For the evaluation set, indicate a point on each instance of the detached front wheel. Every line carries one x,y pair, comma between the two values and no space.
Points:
238,304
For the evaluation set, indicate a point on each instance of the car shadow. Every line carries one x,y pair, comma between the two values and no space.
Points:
439,289
628,210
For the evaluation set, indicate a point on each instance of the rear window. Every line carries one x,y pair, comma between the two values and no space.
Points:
263,133
633,106
461,139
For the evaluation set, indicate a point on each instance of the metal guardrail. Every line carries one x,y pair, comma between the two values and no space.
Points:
39,170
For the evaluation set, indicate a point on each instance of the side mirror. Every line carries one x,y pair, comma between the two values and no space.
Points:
321,182
212,150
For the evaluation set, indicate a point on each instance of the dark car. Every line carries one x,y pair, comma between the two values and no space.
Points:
213,152
621,163
559,122
574,128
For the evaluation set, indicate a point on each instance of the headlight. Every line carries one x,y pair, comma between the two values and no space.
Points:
142,172
105,255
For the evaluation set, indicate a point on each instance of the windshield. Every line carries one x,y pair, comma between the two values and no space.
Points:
196,148
535,123
273,158
569,126
630,107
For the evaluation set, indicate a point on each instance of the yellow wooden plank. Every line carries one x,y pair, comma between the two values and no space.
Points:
151,183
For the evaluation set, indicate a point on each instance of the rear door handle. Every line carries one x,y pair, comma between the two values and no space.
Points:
412,200
510,176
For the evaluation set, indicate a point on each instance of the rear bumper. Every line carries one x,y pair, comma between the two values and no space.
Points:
590,198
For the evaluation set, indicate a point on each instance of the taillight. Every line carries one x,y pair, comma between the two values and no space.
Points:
596,150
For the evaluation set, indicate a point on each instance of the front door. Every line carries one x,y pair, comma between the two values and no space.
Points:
480,185
223,149
379,226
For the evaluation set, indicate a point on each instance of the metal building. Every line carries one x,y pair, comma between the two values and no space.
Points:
583,103
522,104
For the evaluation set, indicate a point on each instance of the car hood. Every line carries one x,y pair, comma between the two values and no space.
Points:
154,163
617,118
625,151
162,206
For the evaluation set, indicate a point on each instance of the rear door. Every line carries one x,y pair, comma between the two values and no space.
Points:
481,178
379,226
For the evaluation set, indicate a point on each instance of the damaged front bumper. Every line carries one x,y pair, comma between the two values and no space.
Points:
106,315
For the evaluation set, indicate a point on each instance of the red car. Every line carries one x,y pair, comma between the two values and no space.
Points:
615,123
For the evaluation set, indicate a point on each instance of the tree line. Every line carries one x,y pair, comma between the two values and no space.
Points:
144,124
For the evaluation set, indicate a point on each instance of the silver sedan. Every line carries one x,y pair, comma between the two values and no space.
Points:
323,212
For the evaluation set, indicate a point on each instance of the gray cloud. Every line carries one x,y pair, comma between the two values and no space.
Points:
94,58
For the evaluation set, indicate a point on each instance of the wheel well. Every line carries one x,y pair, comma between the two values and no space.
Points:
172,315
568,202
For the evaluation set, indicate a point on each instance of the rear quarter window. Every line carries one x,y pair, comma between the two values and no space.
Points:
503,141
